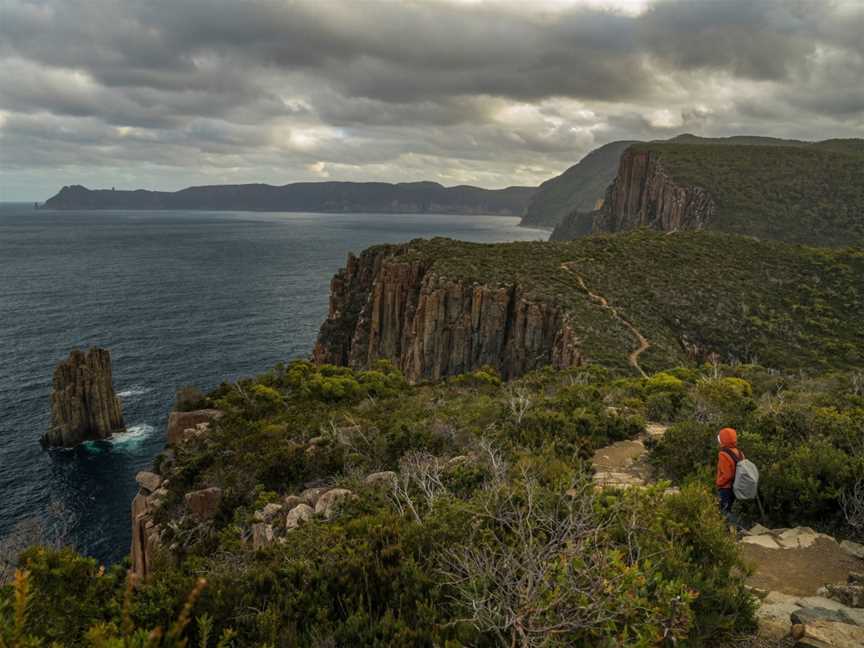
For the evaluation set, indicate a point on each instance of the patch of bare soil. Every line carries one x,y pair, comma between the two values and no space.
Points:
619,456
801,571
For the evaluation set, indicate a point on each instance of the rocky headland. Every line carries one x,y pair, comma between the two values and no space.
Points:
386,305
644,194
799,192
83,403
440,308
379,197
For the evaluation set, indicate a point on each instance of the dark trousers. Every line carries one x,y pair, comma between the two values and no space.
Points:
727,499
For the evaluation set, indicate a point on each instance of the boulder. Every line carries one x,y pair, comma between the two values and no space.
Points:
311,495
267,513
803,616
855,578
262,535
759,530
773,614
799,537
853,548
148,481
328,503
83,403
766,541
204,503
852,615
849,595
828,634
298,514
180,422
384,478
290,501
758,592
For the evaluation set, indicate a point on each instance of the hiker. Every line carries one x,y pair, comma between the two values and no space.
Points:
727,464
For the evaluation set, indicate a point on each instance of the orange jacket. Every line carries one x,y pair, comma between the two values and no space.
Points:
725,465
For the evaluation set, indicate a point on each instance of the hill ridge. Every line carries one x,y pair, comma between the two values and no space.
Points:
330,196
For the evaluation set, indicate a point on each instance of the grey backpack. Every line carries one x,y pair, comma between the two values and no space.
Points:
746,485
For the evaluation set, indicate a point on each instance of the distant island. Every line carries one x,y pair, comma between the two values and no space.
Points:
337,197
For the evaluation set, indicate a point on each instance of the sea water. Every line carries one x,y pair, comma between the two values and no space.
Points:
180,297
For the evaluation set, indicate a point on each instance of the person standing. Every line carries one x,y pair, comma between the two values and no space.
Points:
727,464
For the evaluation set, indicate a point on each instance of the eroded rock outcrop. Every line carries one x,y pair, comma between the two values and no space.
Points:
83,403
387,304
146,532
185,425
644,194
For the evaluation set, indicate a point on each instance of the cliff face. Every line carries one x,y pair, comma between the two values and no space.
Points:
83,403
386,305
644,194
574,225
578,188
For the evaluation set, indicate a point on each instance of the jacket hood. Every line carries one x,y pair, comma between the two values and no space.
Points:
728,438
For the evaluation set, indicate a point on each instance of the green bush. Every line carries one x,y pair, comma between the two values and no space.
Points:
663,382
190,398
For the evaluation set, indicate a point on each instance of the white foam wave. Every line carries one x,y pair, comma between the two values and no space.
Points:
134,390
133,435
128,440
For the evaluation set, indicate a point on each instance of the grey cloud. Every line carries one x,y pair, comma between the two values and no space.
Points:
281,89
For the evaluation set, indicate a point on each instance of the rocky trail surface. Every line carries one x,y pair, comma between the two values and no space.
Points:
810,586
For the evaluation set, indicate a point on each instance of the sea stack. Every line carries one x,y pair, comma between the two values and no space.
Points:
83,404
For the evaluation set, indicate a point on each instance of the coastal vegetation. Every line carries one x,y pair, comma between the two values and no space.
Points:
489,530
808,194
691,295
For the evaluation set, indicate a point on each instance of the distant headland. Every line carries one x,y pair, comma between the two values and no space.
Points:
378,197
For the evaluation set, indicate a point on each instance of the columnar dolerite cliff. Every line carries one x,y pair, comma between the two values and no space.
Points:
387,305
83,403
579,188
644,194
638,301
807,193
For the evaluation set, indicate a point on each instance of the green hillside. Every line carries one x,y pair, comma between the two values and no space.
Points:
447,504
579,187
489,504
787,306
803,193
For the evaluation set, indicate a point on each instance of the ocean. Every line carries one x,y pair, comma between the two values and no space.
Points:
179,298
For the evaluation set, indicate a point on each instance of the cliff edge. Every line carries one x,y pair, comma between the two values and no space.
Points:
388,303
639,301
809,193
644,194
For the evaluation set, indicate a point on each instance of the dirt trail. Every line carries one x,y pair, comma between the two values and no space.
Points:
623,464
801,571
644,344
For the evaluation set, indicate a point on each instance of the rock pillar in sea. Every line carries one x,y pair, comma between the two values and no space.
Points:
83,403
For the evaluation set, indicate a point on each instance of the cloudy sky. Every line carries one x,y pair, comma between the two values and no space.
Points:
168,93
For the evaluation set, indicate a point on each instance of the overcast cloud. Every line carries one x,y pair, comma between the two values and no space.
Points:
167,93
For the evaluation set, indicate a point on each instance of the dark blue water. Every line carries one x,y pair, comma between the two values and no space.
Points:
179,298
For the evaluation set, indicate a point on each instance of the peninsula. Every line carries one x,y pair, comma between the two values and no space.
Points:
336,197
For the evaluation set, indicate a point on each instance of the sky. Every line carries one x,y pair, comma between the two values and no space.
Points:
163,94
